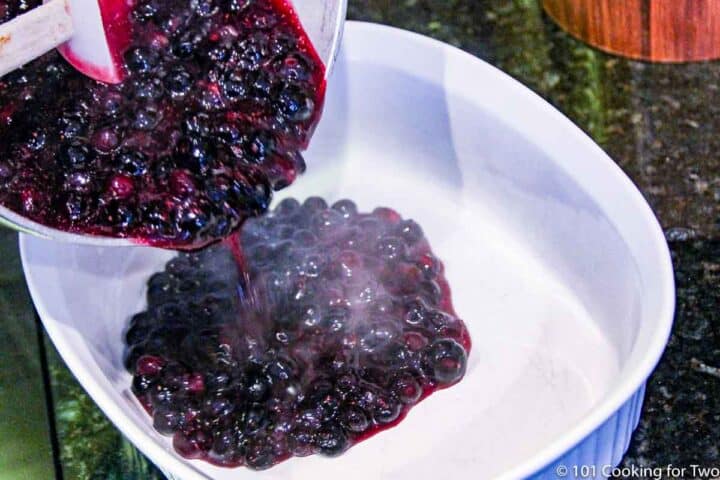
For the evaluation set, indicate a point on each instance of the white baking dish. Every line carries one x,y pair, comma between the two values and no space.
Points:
556,263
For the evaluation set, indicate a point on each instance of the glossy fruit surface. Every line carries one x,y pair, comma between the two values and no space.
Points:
325,330
219,99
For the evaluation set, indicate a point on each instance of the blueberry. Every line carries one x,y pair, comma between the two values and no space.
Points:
205,8
406,389
169,313
447,361
132,354
163,396
329,405
444,323
141,60
119,215
178,82
258,146
309,419
258,388
37,140
156,217
216,190
302,443
346,383
327,220
336,319
280,369
120,186
75,155
219,382
254,420
72,125
145,12
193,445
132,163
190,221
233,85
166,420
259,457
172,24
264,20
142,384
236,6
287,206
429,265
78,207
112,104
431,291
33,201
146,119
393,355
331,440
77,204
314,204
295,67
347,208
354,419
391,248
150,366
282,43
416,312
411,232
197,155
141,319
261,86
105,139
6,170
228,444
185,47
385,410
309,315
255,197
377,336
211,99
218,54
228,133
198,125
387,215
56,72
148,89
253,51
219,407
160,287
193,384
297,106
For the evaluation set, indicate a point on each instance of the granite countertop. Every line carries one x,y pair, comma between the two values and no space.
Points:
659,122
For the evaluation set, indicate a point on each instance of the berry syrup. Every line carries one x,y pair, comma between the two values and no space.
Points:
218,100
332,326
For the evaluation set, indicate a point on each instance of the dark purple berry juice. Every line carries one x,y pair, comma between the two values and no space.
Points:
327,330
220,97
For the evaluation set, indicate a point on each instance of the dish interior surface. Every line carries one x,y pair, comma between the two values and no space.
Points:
545,281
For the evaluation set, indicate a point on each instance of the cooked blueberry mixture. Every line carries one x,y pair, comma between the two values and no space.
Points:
328,329
219,98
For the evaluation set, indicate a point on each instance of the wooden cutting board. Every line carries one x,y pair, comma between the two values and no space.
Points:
654,30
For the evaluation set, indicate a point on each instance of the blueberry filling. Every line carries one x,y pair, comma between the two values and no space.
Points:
310,330
219,99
